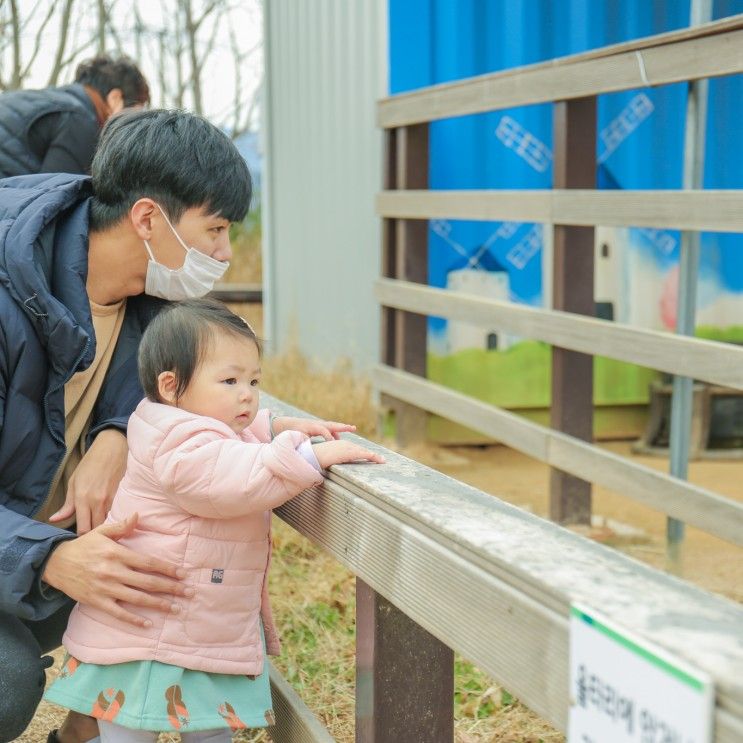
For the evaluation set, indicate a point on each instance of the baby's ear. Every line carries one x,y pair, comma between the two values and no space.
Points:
166,386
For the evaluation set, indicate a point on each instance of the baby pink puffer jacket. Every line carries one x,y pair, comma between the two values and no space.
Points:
204,496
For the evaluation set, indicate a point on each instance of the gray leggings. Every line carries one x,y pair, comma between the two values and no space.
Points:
22,664
112,733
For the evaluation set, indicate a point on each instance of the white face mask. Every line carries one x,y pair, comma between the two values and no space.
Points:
195,278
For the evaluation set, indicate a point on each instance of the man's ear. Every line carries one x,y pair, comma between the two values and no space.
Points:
115,100
166,386
141,215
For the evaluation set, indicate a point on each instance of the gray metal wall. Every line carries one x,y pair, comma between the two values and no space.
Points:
326,66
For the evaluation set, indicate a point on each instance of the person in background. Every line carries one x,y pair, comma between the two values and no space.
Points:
56,130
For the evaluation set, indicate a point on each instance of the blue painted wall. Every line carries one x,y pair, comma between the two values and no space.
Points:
434,41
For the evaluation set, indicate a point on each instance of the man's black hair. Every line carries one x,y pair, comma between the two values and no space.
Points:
179,337
103,73
176,158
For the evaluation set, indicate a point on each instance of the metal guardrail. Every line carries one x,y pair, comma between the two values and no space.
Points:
495,583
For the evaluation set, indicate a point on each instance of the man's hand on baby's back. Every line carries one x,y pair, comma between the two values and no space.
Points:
95,570
329,430
343,452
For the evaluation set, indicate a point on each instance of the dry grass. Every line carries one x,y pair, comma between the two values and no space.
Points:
246,265
333,394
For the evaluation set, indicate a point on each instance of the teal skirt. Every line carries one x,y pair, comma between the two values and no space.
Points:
148,695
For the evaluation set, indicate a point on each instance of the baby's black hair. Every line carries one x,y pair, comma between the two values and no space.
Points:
177,339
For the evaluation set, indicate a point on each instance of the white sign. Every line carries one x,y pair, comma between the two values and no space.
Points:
624,690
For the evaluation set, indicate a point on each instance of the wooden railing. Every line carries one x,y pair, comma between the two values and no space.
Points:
573,207
247,293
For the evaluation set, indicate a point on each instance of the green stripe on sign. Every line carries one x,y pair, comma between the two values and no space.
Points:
664,665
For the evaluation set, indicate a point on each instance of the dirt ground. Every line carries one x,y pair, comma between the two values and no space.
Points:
708,562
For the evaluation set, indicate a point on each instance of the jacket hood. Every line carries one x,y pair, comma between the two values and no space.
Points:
44,260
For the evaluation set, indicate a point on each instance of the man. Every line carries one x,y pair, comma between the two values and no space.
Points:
84,265
56,130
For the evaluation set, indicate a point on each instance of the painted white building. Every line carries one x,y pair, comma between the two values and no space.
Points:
482,283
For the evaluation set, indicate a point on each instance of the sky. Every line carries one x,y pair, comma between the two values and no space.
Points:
218,74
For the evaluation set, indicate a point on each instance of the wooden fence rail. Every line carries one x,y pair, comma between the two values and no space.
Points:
248,293
699,507
710,361
714,211
710,50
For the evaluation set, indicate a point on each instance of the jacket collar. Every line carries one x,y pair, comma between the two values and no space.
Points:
102,109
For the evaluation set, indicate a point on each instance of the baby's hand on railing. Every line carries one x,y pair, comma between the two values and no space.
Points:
329,430
342,452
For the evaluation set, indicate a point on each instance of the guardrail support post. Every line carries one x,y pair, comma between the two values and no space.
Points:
405,256
572,286
404,676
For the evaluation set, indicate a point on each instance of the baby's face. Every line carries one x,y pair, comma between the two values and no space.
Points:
225,384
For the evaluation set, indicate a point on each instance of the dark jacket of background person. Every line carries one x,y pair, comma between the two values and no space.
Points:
46,334
56,130
47,131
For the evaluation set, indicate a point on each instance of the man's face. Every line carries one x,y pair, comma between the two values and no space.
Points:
207,233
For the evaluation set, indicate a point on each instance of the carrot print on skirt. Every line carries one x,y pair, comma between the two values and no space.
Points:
227,711
70,666
177,711
108,704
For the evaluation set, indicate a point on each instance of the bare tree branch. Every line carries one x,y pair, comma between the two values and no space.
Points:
67,61
139,30
191,28
38,40
15,75
242,114
179,49
161,67
4,28
113,32
63,32
102,24
25,23
207,11
212,39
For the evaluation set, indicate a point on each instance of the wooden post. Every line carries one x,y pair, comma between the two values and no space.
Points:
389,247
405,256
404,676
572,373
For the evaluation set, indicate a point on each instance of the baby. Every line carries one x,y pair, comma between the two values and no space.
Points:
205,469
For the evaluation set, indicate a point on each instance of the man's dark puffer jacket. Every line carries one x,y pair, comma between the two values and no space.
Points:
46,335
